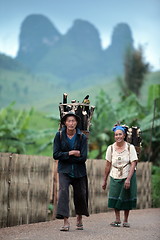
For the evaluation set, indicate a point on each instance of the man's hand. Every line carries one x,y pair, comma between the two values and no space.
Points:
76,153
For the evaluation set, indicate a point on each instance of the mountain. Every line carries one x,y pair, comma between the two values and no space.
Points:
37,36
74,56
115,53
9,63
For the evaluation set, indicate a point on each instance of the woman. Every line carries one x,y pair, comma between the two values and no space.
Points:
70,148
121,163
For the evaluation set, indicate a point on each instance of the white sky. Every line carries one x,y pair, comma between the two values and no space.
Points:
143,17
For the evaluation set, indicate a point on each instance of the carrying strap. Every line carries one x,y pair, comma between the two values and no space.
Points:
128,150
120,169
60,135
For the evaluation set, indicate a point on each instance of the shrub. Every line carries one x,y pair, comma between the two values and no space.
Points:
155,186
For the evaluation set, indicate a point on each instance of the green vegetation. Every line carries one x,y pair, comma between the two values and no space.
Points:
155,186
26,89
46,126
31,132
44,92
14,132
26,132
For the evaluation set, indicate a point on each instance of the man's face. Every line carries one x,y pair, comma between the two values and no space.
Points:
71,123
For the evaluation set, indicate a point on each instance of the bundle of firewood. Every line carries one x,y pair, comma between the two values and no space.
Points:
82,109
133,136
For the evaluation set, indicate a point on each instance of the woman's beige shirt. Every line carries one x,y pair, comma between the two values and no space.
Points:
120,159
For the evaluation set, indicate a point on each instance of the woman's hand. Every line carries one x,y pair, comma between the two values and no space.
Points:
127,184
104,184
131,171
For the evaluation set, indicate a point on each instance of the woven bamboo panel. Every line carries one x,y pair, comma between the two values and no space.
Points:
144,185
39,187
4,188
25,188
97,196
18,190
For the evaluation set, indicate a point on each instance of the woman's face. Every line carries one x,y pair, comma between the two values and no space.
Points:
119,136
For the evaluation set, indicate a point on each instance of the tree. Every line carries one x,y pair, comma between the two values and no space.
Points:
135,69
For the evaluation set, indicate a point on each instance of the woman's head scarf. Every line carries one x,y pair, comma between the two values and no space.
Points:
118,128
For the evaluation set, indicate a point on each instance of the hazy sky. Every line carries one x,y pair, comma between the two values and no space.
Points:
143,17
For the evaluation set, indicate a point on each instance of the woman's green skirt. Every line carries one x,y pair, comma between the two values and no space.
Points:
121,198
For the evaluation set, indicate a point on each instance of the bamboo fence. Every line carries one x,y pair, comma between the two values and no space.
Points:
25,183
29,183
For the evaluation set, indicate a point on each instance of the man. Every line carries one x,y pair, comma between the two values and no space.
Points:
70,148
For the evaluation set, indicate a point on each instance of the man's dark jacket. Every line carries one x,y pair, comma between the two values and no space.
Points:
66,163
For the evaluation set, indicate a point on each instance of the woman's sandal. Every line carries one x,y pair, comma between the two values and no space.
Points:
115,224
126,224
79,226
64,228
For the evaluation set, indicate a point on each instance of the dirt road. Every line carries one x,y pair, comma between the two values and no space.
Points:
145,225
